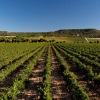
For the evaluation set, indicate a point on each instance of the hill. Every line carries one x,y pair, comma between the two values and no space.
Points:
90,33
80,33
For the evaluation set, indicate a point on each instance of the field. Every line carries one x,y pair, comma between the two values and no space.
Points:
49,71
62,39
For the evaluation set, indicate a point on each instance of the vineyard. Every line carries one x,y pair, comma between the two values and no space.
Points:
49,71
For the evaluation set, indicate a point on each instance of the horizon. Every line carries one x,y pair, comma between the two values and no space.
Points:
48,15
50,31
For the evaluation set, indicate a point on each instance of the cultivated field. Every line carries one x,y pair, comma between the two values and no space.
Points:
49,71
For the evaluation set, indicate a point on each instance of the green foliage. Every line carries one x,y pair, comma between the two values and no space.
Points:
46,88
15,65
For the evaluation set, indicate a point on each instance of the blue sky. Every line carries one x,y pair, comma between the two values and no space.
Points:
48,15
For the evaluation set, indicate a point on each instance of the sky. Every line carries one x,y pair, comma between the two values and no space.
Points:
48,15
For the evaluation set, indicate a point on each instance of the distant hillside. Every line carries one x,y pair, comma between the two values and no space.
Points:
92,33
79,32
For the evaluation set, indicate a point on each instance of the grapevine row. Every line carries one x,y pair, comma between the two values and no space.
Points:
11,52
19,84
94,79
70,78
46,88
12,67
96,65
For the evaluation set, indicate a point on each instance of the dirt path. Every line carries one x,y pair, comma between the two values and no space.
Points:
59,88
35,80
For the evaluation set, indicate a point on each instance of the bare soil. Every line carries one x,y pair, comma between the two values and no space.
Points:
32,85
59,88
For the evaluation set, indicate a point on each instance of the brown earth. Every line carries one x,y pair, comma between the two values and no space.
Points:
59,88
32,85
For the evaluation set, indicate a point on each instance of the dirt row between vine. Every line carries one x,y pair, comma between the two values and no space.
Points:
33,83
59,88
